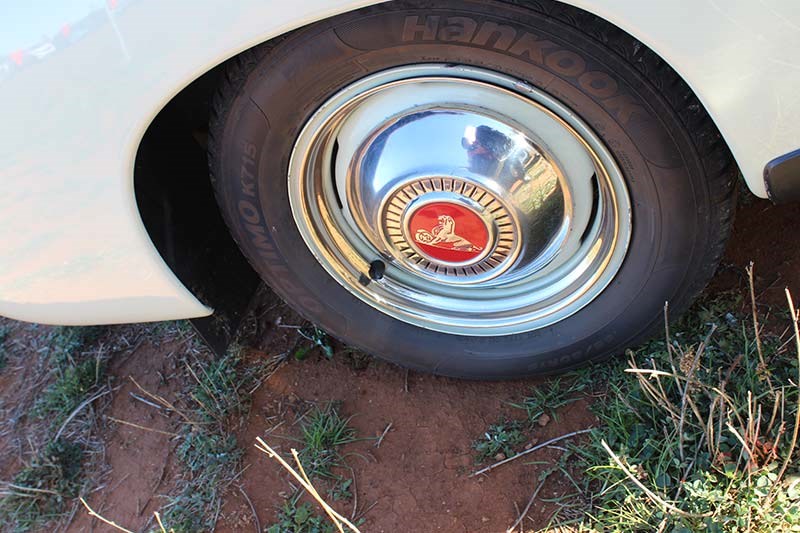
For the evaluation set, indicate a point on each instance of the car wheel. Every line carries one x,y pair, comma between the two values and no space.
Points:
478,189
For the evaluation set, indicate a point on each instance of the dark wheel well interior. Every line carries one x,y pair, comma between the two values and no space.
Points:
177,206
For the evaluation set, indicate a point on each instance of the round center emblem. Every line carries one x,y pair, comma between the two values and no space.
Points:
448,232
449,229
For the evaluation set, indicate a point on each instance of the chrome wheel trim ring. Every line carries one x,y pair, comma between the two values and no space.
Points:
546,170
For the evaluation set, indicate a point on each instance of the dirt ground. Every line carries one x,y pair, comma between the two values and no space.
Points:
141,463
418,478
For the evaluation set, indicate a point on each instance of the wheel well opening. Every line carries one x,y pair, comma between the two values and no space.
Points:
179,211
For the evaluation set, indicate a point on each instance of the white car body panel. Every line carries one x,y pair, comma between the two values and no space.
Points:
73,249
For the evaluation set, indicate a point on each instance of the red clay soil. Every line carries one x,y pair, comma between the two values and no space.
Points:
141,461
418,479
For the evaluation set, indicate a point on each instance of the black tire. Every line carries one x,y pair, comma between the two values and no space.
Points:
678,170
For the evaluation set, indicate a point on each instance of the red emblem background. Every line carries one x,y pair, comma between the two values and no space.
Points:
468,225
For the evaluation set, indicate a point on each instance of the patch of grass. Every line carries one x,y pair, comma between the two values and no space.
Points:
77,375
69,390
41,490
295,518
67,343
218,390
699,431
503,437
5,330
171,331
212,461
546,399
324,432
540,406
207,452
208,449
355,358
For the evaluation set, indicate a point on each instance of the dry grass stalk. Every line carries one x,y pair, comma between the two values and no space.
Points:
524,512
355,493
137,426
256,522
111,523
746,423
163,402
671,349
275,362
160,524
754,310
333,515
202,384
685,397
301,477
26,489
383,435
656,393
145,401
78,409
750,433
106,521
793,444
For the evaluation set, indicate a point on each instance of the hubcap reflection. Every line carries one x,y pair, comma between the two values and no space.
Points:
490,207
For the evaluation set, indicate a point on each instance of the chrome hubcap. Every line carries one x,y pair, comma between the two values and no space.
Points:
459,200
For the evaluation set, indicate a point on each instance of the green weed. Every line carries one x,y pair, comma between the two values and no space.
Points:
295,518
546,399
40,491
172,329
542,404
67,343
69,390
503,438
324,432
77,375
208,449
218,389
316,338
5,330
212,461
207,452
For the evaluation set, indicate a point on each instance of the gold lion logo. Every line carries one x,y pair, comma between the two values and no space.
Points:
444,235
